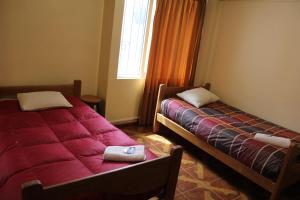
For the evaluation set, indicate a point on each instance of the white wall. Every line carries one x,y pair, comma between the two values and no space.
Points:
255,62
50,42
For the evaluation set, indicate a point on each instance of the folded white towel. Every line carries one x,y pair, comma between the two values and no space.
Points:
278,141
121,153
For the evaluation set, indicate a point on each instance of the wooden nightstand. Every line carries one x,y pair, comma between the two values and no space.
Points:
92,101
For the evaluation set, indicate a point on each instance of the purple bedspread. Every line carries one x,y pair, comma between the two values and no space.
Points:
231,131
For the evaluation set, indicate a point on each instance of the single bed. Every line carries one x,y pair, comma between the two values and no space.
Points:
227,134
58,154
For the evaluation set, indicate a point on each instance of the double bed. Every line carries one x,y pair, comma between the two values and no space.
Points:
58,154
227,134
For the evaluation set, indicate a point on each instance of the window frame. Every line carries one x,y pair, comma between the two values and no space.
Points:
146,43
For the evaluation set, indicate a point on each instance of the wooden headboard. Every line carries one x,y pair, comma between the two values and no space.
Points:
165,92
67,89
168,92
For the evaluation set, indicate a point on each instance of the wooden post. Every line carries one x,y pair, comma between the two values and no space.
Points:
176,155
207,86
160,97
283,176
77,88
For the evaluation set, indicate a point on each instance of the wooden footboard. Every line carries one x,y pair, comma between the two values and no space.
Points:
153,177
289,173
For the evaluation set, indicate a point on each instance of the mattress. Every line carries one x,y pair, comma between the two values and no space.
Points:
54,146
231,131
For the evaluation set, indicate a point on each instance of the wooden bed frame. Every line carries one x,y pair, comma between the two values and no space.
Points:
157,177
67,90
290,170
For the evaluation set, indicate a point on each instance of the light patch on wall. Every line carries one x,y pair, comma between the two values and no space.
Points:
256,65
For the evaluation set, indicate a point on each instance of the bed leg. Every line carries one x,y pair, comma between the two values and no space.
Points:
275,194
32,190
156,125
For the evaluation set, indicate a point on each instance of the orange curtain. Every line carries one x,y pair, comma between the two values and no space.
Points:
174,49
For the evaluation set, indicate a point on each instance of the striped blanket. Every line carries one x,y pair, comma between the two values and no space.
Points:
231,131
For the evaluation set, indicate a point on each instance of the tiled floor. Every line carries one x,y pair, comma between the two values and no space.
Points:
201,176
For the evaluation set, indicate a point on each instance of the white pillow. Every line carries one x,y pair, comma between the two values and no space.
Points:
42,100
198,97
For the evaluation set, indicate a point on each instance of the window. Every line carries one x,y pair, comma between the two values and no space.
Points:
135,38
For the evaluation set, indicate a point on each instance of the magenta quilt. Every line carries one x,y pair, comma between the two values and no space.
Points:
54,146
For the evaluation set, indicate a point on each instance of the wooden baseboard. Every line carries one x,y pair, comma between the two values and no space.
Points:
125,122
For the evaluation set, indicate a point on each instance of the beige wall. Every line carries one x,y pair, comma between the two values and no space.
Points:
50,42
122,96
208,39
255,59
54,42
249,51
105,51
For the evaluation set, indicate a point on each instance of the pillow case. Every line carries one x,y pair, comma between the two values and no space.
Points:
198,97
32,101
